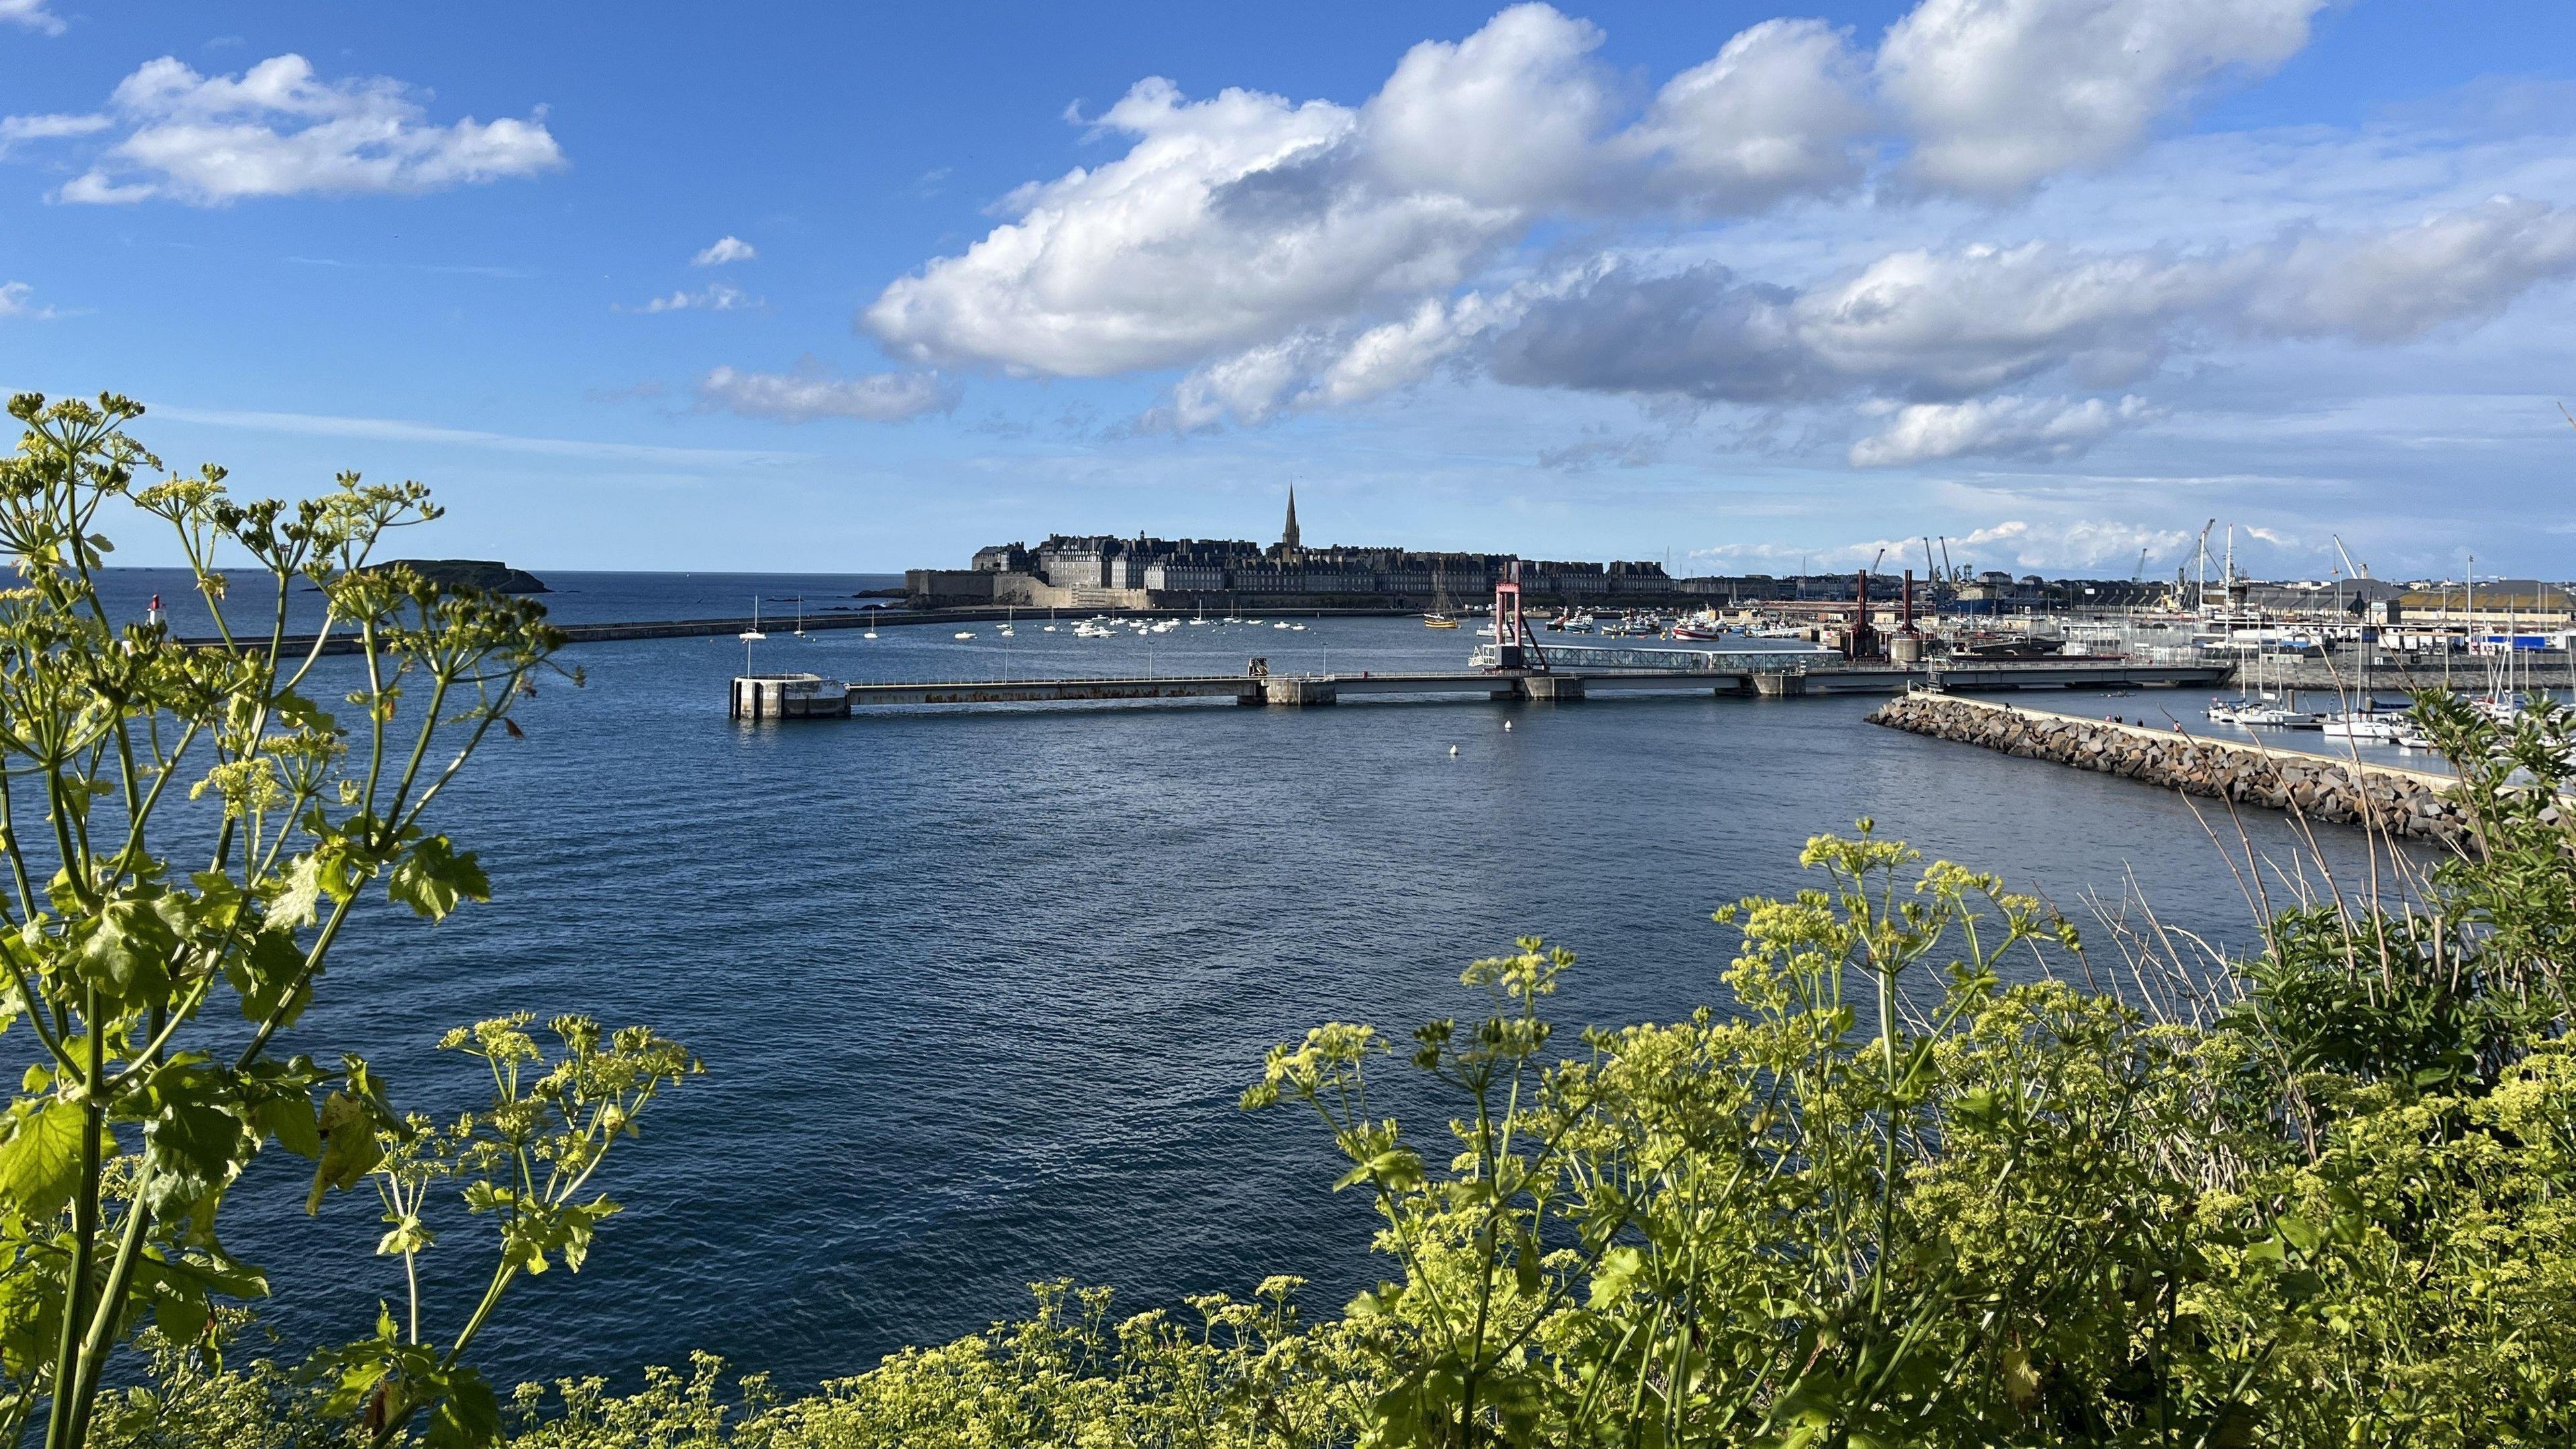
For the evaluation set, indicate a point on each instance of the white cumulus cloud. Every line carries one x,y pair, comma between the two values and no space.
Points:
723,250
2003,426
1245,222
810,393
1998,94
1230,222
1508,117
1251,238
1945,324
33,15
1778,112
279,130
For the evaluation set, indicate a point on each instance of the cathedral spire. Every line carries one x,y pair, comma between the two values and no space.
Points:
1288,536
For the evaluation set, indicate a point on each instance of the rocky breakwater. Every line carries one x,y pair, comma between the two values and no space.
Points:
2403,802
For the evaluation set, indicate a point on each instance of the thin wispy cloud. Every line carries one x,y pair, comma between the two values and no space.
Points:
461,269
394,430
14,301
716,298
812,393
17,130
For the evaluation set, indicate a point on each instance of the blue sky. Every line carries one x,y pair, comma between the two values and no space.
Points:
1744,286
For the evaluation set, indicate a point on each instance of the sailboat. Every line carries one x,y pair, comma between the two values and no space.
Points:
2366,722
751,635
2270,706
1439,617
1007,615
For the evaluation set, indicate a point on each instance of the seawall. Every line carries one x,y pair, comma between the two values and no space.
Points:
2412,803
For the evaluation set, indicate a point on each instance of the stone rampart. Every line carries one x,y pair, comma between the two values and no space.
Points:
2410,803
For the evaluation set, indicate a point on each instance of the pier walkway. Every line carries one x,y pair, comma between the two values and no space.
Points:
1767,675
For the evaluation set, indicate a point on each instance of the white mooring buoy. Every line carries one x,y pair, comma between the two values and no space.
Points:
1453,749
1507,724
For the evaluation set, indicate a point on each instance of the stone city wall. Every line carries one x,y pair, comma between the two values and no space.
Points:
2403,802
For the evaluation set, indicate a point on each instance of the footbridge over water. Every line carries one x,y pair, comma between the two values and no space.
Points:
1771,675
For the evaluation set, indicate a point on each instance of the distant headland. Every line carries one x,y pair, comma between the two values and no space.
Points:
474,573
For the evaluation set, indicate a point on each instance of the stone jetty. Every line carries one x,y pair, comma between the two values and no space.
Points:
2413,803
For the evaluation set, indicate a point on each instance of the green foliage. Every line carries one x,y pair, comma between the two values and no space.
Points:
134,925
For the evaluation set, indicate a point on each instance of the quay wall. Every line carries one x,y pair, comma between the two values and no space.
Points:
2410,803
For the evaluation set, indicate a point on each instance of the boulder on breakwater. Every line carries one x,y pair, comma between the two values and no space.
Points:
2401,802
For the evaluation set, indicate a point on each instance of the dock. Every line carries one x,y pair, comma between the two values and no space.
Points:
1755,674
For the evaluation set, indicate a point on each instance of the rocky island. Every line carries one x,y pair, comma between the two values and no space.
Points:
475,573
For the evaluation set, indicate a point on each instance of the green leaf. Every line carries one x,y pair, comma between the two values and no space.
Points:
40,1161
2302,1234
299,893
349,1150
432,878
292,1121
129,950
467,1415
264,972
192,1148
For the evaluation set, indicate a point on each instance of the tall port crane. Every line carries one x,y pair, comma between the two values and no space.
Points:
2351,569
2200,554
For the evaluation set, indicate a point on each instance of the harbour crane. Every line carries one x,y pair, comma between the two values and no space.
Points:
1951,573
2200,554
2140,571
1882,558
2351,569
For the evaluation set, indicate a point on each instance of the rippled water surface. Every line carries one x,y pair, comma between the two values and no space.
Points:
976,990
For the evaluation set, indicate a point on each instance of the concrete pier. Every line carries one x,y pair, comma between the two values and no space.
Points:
806,696
789,696
1299,691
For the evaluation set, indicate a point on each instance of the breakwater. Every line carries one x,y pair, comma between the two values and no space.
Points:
2411,803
